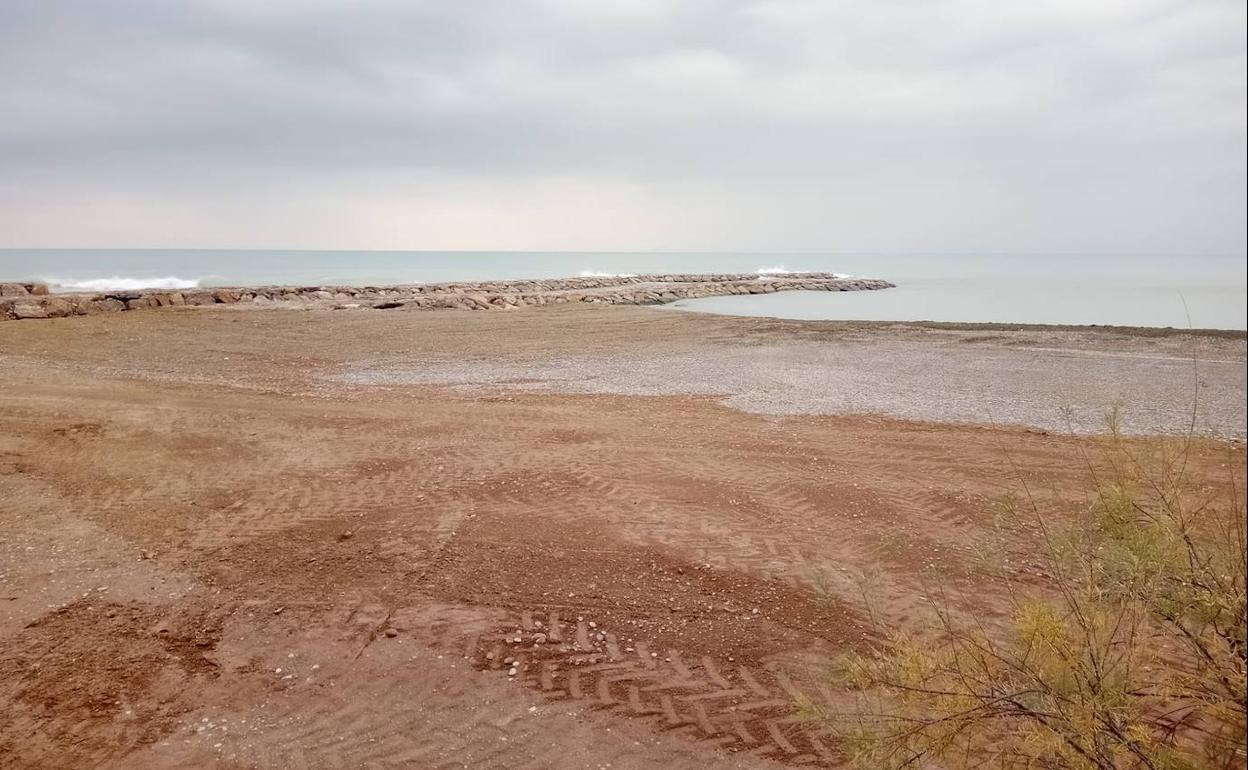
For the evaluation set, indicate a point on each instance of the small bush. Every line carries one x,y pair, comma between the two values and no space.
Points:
1132,656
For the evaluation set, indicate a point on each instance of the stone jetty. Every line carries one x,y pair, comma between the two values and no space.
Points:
21,301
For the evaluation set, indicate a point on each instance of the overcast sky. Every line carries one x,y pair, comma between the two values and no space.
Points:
744,125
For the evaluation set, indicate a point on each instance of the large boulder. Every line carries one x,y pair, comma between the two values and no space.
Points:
83,305
199,298
25,310
56,307
109,305
13,290
169,299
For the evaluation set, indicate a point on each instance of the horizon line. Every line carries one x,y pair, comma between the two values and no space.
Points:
706,252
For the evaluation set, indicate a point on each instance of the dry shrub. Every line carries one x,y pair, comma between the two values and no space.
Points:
1131,656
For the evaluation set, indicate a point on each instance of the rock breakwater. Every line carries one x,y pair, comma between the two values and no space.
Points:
21,301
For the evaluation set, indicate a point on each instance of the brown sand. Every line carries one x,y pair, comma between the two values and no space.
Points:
218,550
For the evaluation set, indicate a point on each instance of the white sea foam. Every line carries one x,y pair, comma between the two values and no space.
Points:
781,270
596,274
119,283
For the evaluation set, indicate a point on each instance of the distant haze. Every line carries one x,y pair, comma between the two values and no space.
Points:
880,125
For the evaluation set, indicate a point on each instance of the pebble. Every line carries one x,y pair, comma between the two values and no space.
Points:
392,632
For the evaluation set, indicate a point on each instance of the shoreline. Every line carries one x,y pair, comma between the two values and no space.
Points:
993,326
28,301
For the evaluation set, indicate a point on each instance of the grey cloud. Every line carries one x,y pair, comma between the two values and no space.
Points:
1122,122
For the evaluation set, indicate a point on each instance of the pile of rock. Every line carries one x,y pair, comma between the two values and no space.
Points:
25,300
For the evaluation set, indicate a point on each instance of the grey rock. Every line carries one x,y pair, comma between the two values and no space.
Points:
29,310
55,307
109,305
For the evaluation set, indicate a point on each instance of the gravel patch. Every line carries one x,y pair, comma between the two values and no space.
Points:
1052,388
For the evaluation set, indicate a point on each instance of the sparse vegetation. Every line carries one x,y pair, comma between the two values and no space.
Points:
1132,654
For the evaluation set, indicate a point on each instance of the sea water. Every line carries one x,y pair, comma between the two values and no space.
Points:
1123,290
1200,293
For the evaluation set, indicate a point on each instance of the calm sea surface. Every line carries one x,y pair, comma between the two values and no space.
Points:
1116,290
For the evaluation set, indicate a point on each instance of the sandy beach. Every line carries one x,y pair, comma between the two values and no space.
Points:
556,385
552,538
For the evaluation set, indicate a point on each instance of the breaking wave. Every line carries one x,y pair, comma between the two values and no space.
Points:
119,283
596,274
782,270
